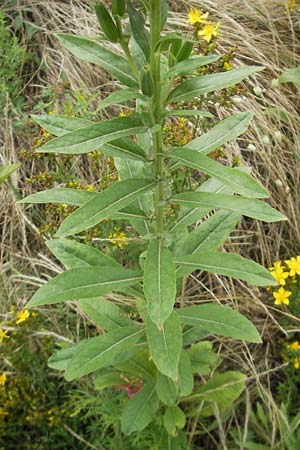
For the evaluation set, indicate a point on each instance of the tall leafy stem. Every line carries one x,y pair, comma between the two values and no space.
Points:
166,346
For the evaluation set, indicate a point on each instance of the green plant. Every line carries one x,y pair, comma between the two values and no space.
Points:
157,345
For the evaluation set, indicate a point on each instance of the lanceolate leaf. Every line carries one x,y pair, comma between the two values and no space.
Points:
237,180
188,216
140,409
61,358
6,171
186,379
165,345
220,320
207,83
59,125
140,34
211,234
120,96
167,389
228,264
90,51
76,197
99,351
174,418
222,388
247,206
188,66
104,205
84,282
92,137
159,282
74,254
104,313
139,364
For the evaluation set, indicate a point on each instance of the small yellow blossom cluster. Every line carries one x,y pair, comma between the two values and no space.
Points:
293,5
206,29
286,274
118,238
292,353
178,132
3,379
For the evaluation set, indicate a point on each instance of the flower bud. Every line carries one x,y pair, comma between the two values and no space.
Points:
118,7
258,91
146,81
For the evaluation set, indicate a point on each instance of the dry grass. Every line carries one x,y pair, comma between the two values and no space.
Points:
264,35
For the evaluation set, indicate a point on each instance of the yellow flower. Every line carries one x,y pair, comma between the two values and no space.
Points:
294,266
3,335
227,66
281,296
209,31
196,16
3,379
278,273
22,316
118,238
296,363
294,346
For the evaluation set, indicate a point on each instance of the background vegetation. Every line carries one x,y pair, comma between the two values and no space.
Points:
37,75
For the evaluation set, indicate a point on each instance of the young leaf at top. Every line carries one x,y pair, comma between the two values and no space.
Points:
90,51
92,137
84,282
159,282
228,264
237,180
165,345
220,320
74,254
100,351
249,207
204,84
108,202
137,25
107,23
140,409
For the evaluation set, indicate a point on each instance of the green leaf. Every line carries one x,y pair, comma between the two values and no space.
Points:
188,216
59,125
174,418
208,83
76,197
291,76
140,410
137,25
220,320
208,236
84,282
165,345
166,389
90,51
247,206
222,388
108,379
104,313
194,334
139,365
185,378
188,112
6,171
61,358
159,282
100,351
73,254
188,66
120,96
108,202
202,358
92,137
228,264
226,130
237,180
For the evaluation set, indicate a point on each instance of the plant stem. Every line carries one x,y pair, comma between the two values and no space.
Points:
155,25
